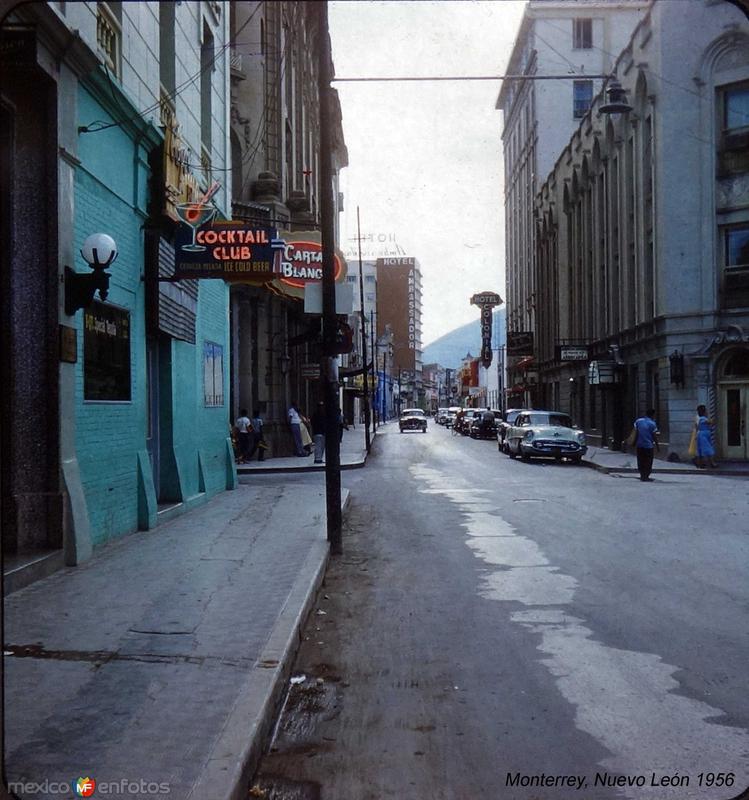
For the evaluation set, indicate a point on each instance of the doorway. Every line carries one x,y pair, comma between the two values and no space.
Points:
734,406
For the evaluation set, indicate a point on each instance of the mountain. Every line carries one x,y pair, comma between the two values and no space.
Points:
449,350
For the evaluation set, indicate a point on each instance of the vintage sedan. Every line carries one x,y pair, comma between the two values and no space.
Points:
412,419
504,425
484,424
441,416
452,413
547,434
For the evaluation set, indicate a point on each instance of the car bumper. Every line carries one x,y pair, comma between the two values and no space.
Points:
553,450
413,427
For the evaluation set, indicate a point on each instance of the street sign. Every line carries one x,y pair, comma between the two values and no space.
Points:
311,371
571,353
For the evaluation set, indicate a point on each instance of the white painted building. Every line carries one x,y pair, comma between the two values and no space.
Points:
556,37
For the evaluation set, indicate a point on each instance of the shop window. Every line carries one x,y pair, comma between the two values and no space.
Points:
737,366
582,97
582,34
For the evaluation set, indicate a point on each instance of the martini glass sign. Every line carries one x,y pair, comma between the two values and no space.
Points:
196,215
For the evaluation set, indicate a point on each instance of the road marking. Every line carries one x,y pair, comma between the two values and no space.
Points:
625,699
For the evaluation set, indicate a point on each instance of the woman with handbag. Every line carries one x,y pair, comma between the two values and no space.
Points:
703,435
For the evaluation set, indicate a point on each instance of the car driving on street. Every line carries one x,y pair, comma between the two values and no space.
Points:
504,425
412,419
548,434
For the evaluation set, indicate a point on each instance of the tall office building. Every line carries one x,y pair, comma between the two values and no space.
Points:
399,325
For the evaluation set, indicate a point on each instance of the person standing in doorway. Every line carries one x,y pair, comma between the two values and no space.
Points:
703,426
318,431
244,429
295,421
258,442
646,443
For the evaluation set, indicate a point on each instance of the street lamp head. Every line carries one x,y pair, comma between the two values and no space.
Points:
99,251
617,103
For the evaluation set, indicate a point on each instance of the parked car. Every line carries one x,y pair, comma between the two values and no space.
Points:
441,416
464,426
548,434
452,413
484,424
504,424
412,419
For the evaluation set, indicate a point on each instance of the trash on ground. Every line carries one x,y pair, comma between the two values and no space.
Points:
298,679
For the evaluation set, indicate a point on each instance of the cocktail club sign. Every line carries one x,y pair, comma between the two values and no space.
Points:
486,301
241,253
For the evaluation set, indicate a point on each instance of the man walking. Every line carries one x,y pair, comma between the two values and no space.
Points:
646,443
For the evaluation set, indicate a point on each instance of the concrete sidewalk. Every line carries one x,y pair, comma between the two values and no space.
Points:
621,461
163,659
353,456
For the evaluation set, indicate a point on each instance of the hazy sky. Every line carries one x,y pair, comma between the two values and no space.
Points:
425,159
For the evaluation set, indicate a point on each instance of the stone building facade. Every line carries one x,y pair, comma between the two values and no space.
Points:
555,38
275,140
642,239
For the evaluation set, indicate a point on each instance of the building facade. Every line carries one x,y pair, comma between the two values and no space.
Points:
111,115
649,281
555,38
399,311
275,140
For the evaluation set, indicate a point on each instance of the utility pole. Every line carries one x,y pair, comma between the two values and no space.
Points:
329,319
365,377
385,385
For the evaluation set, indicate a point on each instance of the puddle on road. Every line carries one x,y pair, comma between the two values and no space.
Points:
625,699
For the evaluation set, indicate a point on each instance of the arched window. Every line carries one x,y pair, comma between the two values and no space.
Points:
737,365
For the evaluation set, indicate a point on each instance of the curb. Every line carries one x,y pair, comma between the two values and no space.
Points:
666,470
237,751
314,468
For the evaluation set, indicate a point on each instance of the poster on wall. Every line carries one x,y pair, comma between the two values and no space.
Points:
213,374
106,353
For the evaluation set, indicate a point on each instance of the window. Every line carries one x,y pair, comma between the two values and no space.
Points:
207,64
582,97
582,34
106,353
736,108
109,34
737,246
213,374
166,47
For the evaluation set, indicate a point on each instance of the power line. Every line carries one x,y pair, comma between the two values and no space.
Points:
509,77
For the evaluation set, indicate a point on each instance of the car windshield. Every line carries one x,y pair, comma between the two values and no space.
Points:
559,420
412,412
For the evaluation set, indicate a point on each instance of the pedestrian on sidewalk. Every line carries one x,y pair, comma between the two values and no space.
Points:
646,442
258,441
244,429
318,431
341,424
703,427
295,421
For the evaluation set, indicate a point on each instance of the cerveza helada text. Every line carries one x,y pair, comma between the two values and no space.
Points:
609,779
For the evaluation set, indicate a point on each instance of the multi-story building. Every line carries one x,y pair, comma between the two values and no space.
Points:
354,362
399,311
650,279
556,37
112,114
275,140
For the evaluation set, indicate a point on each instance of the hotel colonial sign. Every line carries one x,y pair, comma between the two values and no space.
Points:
486,301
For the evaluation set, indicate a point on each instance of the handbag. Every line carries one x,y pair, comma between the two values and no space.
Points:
632,438
306,438
693,444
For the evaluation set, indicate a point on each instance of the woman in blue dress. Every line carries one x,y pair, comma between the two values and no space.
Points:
703,427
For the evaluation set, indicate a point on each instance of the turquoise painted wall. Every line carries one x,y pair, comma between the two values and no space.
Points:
110,196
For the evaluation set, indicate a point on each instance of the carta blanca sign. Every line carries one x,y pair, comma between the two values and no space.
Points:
572,353
228,250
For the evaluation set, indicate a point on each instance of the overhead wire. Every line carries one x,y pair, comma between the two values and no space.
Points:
178,90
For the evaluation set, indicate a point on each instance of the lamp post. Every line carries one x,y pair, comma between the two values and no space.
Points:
365,379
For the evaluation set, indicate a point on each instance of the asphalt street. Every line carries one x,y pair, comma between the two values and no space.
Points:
500,629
